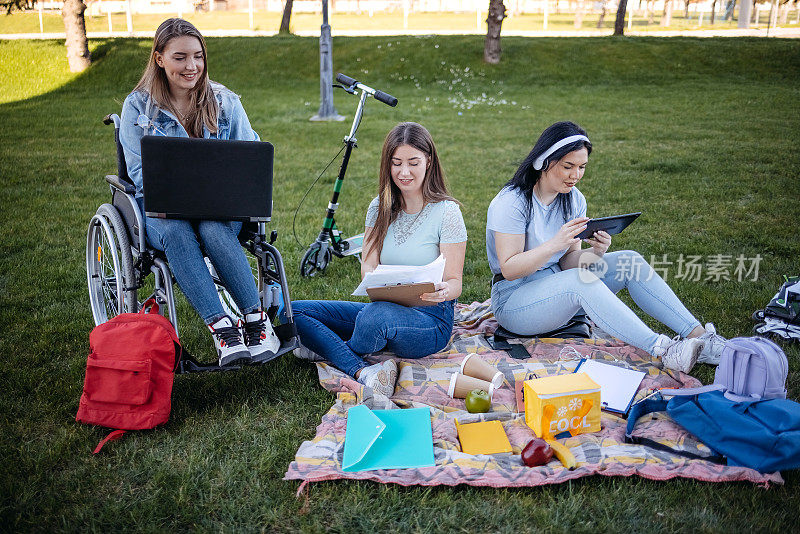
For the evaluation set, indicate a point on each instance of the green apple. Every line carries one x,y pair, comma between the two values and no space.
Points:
478,401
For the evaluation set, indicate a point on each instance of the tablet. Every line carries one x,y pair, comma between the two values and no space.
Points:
612,225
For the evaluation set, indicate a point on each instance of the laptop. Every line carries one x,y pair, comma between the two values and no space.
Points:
212,179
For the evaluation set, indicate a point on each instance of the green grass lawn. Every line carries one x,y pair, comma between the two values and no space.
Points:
699,134
28,22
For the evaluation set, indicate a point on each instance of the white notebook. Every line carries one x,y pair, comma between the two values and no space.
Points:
618,385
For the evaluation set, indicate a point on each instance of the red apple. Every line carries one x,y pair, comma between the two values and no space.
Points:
536,453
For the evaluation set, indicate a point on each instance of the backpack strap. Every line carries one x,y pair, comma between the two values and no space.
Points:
685,392
149,306
113,436
657,403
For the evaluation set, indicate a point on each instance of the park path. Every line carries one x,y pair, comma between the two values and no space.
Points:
793,33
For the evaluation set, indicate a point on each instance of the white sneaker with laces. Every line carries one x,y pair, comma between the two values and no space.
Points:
678,354
259,337
381,377
228,341
714,343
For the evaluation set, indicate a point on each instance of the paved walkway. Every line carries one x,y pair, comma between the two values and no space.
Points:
793,33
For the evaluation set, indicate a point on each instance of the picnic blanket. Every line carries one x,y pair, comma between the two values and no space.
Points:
423,383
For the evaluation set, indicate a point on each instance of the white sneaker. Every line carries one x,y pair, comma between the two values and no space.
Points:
259,337
304,353
381,377
678,354
714,343
229,342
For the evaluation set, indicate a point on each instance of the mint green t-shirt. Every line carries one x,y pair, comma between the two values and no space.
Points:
413,239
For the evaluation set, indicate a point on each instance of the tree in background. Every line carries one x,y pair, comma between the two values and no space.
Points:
579,15
729,9
77,44
666,16
603,9
619,23
287,15
494,21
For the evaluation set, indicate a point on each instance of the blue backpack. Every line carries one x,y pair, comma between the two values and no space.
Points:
763,435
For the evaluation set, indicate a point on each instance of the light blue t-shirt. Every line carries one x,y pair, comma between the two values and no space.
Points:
413,239
508,214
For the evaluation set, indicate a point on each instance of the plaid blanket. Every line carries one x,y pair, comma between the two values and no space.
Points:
424,382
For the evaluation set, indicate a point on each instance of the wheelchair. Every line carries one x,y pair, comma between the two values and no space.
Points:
118,260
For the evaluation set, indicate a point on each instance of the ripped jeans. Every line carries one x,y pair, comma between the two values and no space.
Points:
548,298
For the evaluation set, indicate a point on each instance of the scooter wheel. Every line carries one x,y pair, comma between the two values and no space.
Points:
758,316
314,260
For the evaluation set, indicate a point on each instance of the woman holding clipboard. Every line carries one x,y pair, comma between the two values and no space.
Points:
542,277
411,222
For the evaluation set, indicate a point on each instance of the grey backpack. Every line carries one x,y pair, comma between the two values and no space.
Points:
750,368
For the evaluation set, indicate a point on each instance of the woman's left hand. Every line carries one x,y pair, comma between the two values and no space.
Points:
441,294
599,242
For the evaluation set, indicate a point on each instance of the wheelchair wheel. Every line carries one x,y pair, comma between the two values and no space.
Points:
314,260
109,266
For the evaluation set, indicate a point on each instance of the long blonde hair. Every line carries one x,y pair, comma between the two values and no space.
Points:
390,200
154,79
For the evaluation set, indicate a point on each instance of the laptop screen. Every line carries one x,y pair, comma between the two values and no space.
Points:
213,179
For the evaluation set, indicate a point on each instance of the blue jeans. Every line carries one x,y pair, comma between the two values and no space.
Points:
342,331
183,242
547,299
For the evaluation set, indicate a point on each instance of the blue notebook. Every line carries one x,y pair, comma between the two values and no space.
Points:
387,439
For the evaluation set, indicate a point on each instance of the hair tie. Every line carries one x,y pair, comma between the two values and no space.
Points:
539,162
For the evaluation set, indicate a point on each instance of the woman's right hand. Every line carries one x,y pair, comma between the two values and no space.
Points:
565,237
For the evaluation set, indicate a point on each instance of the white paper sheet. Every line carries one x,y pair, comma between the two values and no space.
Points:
617,384
386,275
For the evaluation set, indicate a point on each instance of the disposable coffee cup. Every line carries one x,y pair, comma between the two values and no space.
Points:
473,365
461,385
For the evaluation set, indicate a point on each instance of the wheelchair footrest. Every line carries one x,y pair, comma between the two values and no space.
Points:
190,365
285,347
193,366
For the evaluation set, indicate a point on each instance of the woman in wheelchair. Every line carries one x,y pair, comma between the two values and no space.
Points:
175,97
542,277
411,221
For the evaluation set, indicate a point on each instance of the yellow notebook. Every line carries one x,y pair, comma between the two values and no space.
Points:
486,437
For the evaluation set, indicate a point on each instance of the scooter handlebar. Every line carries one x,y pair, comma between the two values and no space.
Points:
386,98
347,80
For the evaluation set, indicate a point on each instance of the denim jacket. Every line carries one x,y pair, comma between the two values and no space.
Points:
141,116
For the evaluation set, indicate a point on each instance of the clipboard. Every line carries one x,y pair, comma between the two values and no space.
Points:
404,294
618,385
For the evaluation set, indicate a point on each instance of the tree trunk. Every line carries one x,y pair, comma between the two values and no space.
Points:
287,16
77,44
666,18
602,14
686,9
651,12
784,13
729,9
494,21
619,23
579,15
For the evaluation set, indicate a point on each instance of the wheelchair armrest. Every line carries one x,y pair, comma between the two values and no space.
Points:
115,182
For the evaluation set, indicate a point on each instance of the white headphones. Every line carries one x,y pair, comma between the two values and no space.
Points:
539,162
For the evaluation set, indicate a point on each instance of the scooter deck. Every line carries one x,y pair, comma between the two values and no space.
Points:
355,244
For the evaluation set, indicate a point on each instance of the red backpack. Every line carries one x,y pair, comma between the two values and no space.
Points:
129,373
